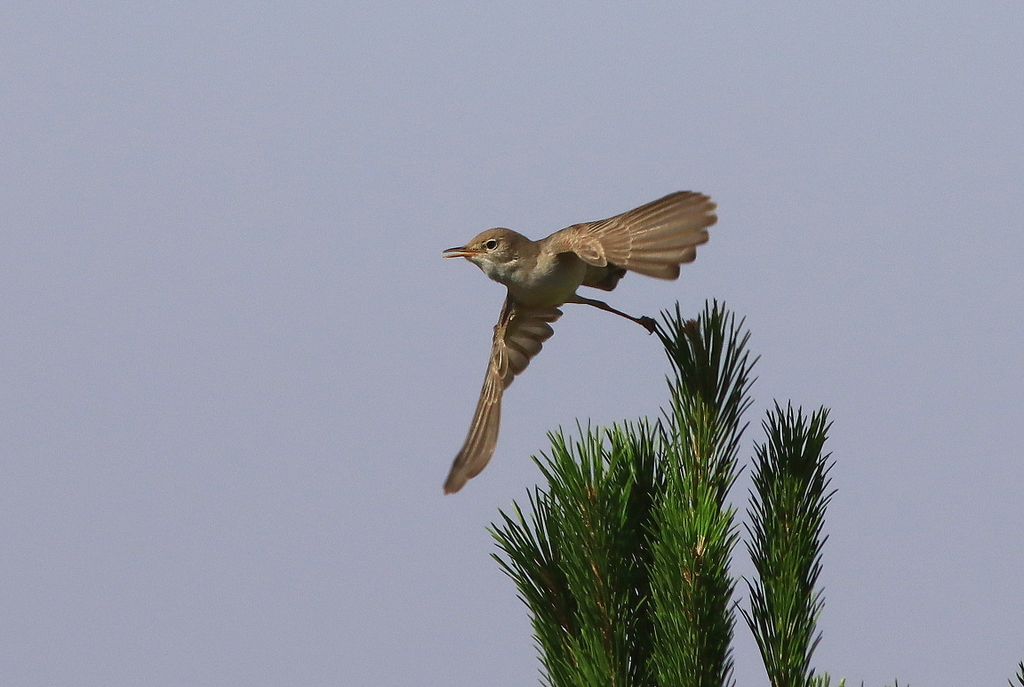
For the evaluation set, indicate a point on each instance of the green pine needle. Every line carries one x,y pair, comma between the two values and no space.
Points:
1019,677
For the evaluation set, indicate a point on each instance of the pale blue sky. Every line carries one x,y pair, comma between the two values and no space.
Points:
234,368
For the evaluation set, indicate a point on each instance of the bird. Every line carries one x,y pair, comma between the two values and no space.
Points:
541,276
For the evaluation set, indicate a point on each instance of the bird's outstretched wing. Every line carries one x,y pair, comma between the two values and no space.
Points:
518,336
652,239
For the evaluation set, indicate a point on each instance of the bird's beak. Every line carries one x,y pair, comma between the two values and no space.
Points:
461,252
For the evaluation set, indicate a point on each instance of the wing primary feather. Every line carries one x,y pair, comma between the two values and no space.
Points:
518,337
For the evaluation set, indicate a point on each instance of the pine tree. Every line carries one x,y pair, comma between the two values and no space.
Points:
623,557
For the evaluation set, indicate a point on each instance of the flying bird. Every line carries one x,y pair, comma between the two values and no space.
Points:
541,276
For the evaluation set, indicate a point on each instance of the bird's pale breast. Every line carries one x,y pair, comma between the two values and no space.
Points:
551,282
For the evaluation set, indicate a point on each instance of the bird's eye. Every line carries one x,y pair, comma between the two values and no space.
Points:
491,244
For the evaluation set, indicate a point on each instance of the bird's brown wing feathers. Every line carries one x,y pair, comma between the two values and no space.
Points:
652,239
518,337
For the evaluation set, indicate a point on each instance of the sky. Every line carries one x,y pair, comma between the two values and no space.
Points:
234,368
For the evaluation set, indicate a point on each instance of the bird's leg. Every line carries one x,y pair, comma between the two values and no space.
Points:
645,322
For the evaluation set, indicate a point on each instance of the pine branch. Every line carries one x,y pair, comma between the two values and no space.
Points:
787,511
692,589
581,560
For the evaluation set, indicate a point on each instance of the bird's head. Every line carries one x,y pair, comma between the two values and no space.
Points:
495,251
